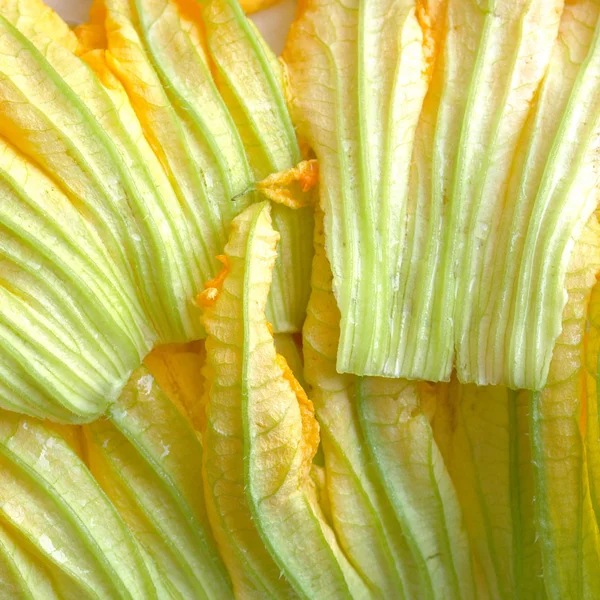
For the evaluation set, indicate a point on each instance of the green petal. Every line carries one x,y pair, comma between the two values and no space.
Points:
592,413
21,575
361,515
564,509
68,123
417,483
452,187
483,435
261,438
148,459
249,78
52,502
207,132
71,326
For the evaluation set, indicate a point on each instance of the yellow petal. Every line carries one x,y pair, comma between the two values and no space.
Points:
177,369
251,6
38,21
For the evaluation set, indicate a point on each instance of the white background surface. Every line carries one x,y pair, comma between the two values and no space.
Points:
273,22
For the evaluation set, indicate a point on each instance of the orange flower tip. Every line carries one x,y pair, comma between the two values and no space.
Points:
270,328
208,297
275,187
288,375
309,175
217,282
